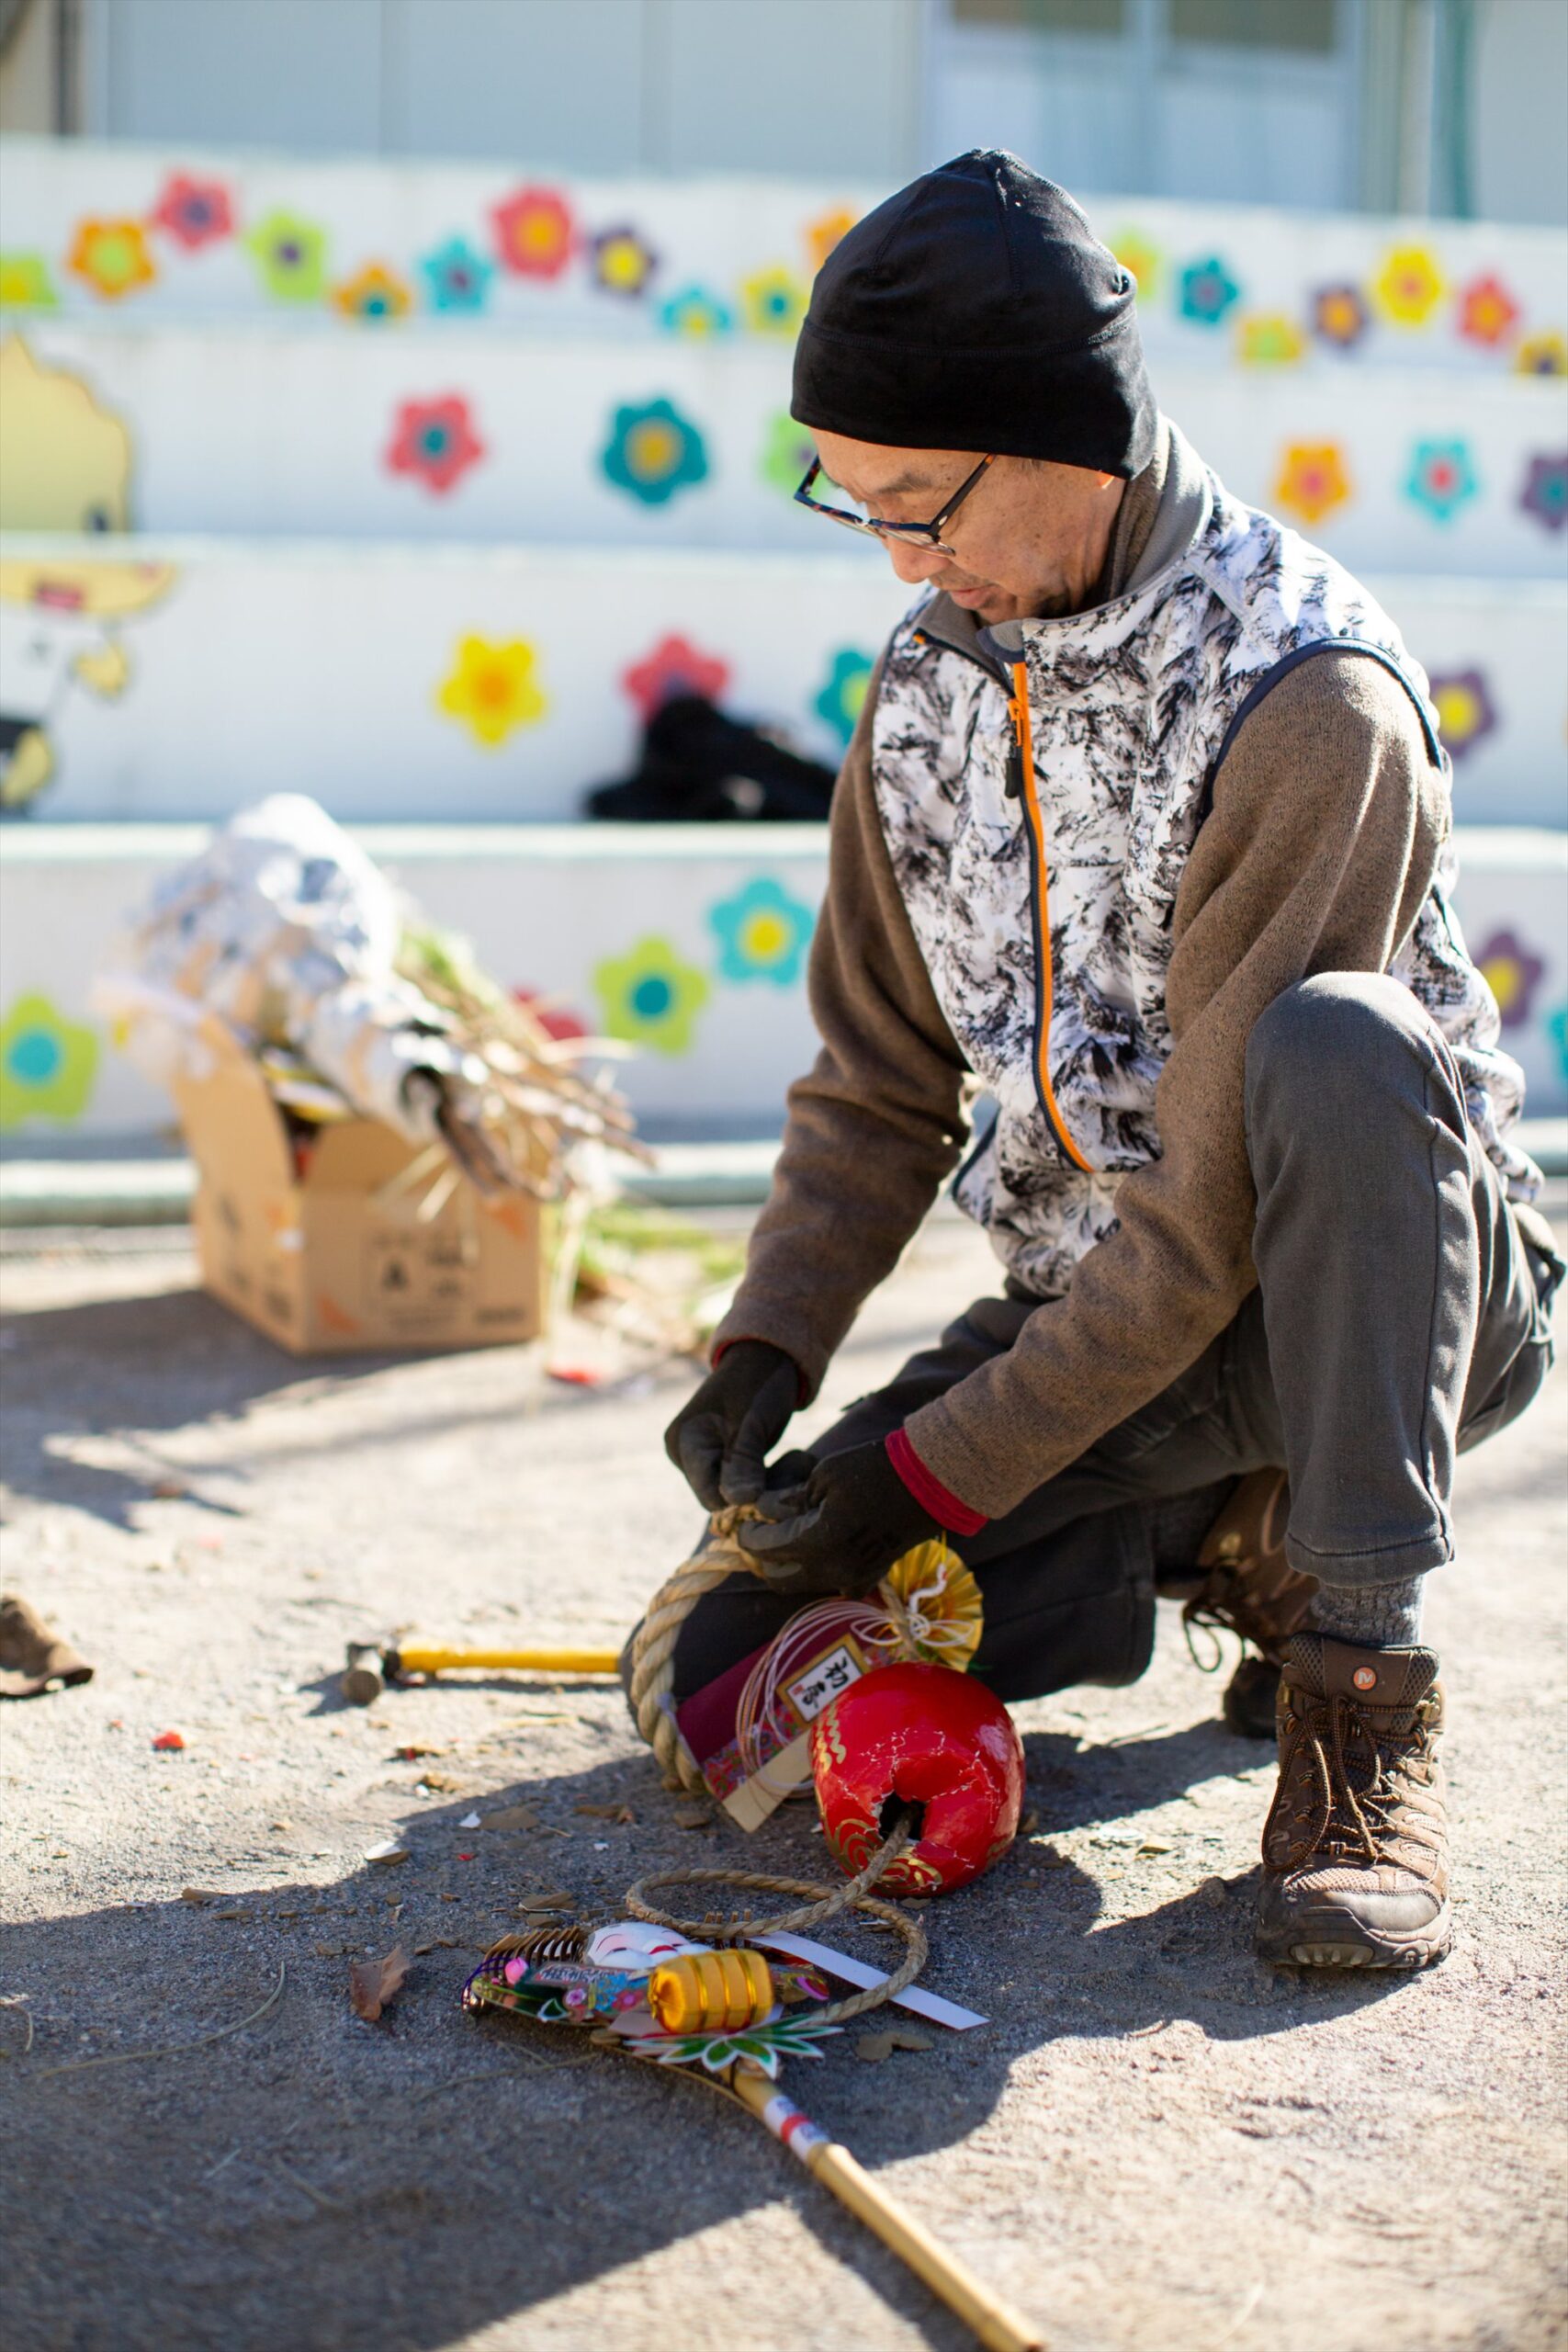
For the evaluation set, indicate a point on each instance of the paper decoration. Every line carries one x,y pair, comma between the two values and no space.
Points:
26,284
434,440
1311,480
762,934
1542,354
840,700
535,233
674,668
492,689
290,255
1339,316
654,451
194,213
1513,973
1409,286
651,997
696,311
1466,714
373,292
1441,478
622,262
47,1064
1487,312
1545,492
457,277
788,452
774,301
111,256
1143,262
1557,1030
1208,291
826,231
1271,341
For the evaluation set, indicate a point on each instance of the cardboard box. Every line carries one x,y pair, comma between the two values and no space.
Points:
369,1242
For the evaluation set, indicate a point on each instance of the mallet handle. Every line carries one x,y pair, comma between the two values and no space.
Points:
427,1657
989,2318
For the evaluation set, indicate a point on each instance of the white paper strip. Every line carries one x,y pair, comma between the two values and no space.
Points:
855,1972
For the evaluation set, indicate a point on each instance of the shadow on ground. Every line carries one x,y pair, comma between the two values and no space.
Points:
317,2180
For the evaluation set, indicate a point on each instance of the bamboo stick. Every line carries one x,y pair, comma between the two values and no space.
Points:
427,1657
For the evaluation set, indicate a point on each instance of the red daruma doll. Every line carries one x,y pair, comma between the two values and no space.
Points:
932,1740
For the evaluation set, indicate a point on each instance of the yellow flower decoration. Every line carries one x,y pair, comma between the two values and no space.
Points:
47,1064
1271,341
649,997
112,256
492,689
1143,262
1311,480
774,301
1409,286
823,233
1542,354
26,284
373,292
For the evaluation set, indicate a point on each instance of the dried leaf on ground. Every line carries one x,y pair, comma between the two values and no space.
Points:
556,1900
373,1983
874,2047
608,1812
512,1816
389,1851
694,1816
235,1911
442,1780
199,1894
412,1751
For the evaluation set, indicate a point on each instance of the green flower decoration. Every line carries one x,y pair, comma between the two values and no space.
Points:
291,255
651,997
840,700
26,284
787,451
47,1064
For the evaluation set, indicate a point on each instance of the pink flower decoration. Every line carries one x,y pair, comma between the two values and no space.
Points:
674,668
434,440
194,213
535,233
1487,312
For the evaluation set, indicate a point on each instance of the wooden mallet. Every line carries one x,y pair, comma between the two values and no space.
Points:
372,1664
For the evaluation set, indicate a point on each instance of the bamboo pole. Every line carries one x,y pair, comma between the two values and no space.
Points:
429,1657
996,2327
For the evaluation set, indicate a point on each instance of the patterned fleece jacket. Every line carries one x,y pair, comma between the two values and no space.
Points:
1071,860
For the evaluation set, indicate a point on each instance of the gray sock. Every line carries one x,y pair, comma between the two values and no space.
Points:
1377,1616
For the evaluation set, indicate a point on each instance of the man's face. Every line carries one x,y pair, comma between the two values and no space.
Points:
1029,540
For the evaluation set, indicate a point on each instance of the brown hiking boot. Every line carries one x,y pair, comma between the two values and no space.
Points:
1355,1848
1249,1589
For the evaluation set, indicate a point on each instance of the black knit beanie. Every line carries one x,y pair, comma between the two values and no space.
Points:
976,310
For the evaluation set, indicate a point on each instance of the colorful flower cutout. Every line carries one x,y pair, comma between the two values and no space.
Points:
1513,974
1487,312
774,301
674,667
1144,262
434,441
1466,712
556,1019
111,256
1270,340
1557,1030
828,229
649,997
194,213
493,689
1545,492
457,277
1409,286
1441,478
1208,291
535,233
47,1064
696,311
788,450
621,261
374,292
1312,480
26,284
1542,354
1339,316
653,451
840,700
291,255
762,934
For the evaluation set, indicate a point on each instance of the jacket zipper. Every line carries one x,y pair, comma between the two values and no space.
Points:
1022,764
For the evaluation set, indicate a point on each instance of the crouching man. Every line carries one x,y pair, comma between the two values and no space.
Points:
1142,831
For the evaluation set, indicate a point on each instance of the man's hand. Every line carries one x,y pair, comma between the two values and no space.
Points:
721,1440
841,1530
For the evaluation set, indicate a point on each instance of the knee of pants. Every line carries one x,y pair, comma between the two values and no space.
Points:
1339,1038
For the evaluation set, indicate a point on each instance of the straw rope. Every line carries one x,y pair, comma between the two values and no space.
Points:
719,1554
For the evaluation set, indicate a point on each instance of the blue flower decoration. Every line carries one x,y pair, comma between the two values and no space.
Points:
1557,1030
696,311
653,452
1208,291
762,934
840,700
457,277
1441,479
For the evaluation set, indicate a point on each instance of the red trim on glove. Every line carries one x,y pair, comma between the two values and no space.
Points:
929,1491
724,1345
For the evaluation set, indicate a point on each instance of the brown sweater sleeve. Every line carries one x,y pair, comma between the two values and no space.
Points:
1327,822
877,1125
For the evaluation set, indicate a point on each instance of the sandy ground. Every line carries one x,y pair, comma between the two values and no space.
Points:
1155,2142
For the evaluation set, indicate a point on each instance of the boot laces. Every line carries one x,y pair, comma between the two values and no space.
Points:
1351,1820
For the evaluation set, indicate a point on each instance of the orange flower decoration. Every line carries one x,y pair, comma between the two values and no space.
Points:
1311,480
112,256
373,292
1487,312
825,232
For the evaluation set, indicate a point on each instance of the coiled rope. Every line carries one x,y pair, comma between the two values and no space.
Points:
719,1554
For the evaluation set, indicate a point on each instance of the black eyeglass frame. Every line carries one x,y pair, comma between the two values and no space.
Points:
927,534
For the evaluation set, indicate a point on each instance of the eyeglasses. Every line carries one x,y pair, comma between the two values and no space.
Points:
918,534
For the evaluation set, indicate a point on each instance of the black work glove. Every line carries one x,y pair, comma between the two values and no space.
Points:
841,1530
720,1440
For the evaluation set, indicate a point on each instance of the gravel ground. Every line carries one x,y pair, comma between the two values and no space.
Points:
1155,2141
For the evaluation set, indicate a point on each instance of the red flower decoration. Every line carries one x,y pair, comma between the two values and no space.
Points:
674,668
1487,312
194,213
554,1018
535,234
435,440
